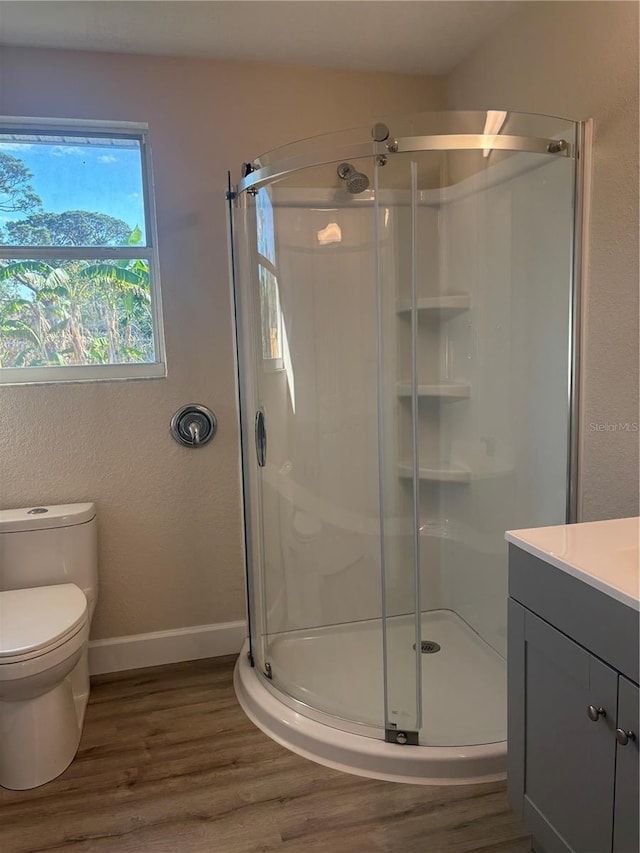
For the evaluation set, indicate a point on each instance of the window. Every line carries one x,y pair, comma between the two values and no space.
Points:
79,284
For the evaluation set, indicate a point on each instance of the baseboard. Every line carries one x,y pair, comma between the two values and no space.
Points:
160,647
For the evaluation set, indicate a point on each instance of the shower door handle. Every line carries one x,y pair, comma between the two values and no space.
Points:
261,438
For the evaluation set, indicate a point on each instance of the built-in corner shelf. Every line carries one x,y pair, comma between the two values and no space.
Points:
450,390
446,304
443,474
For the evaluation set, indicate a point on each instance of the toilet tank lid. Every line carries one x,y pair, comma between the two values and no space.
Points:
43,517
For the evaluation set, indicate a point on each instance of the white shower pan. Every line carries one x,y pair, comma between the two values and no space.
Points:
463,700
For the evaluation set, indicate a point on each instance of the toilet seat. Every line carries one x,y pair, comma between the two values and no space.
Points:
38,620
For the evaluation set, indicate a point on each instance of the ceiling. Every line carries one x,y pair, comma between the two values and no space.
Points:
408,36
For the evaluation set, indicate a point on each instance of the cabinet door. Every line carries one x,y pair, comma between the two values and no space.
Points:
569,759
625,826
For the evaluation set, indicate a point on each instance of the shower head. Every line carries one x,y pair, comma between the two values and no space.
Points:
357,182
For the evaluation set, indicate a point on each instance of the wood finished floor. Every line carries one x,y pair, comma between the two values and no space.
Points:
169,763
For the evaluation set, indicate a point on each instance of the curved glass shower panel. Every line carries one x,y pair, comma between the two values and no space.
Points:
475,282
313,289
500,322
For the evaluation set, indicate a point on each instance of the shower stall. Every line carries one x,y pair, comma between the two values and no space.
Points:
405,303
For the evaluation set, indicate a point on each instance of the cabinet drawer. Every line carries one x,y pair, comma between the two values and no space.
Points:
608,628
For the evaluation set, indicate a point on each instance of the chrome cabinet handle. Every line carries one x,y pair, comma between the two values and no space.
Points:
623,737
261,438
594,713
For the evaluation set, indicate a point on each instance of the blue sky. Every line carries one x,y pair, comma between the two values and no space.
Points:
98,178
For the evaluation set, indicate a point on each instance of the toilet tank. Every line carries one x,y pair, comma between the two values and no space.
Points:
43,546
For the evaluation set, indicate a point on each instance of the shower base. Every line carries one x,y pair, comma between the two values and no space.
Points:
463,739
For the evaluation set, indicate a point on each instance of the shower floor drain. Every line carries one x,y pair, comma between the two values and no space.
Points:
428,647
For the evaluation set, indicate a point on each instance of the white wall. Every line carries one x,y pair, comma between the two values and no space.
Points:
169,518
580,60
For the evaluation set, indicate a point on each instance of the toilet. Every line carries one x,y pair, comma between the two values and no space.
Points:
48,593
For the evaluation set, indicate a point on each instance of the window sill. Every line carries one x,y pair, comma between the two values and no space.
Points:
81,373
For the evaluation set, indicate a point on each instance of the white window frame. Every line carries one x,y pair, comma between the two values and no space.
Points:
96,372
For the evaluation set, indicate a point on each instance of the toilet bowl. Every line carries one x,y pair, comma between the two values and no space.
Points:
44,632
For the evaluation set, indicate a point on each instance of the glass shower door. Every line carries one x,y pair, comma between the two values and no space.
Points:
314,343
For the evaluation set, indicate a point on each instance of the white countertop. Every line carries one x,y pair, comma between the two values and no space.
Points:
603,554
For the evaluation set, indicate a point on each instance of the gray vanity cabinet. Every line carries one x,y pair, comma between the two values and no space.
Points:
627,793
572,769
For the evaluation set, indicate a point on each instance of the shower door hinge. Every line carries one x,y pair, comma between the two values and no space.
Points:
403,737
267,671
